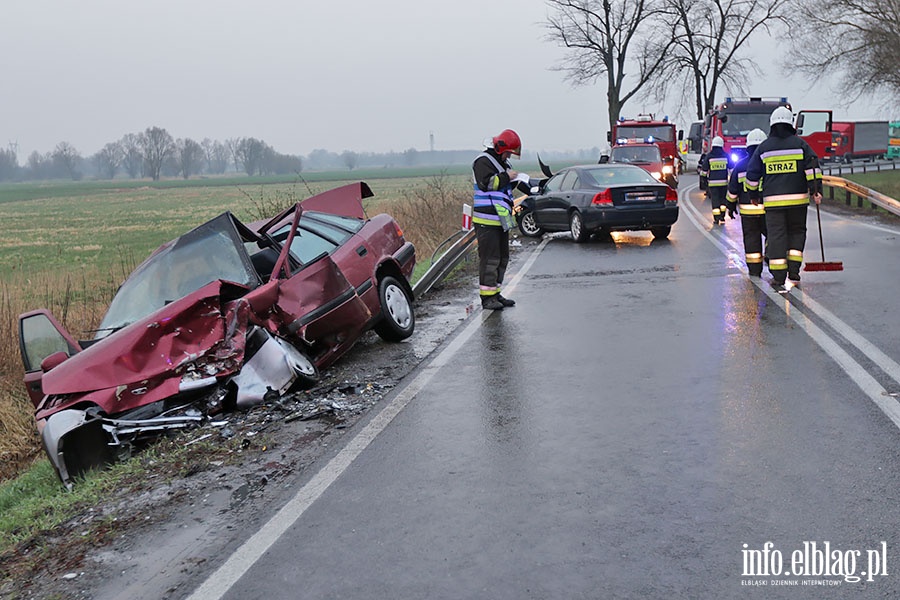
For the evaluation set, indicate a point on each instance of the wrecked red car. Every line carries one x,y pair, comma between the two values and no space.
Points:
222,317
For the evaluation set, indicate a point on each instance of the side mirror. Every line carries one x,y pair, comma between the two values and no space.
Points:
53,361
535,190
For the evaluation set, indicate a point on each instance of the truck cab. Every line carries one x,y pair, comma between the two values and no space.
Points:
645,128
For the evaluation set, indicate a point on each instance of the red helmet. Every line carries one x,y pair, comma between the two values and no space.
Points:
508,141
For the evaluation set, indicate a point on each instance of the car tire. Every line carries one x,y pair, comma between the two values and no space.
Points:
528,226
397,317
661,232
305,369
576,228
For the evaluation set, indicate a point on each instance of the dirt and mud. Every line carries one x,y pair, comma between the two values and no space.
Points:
147,541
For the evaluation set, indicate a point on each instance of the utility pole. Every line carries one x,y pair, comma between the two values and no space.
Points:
431,140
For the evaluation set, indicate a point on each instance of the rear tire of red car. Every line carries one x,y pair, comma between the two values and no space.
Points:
576,227
397,318
661,232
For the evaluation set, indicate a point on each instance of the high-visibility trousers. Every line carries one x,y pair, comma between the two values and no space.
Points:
785,240
493,257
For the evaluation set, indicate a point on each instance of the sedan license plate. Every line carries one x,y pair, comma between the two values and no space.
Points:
640,196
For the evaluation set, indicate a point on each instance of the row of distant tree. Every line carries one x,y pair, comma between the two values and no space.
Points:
154,154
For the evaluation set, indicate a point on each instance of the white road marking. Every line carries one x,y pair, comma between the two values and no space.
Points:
854,370
222,579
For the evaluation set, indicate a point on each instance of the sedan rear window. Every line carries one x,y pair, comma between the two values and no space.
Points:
605,176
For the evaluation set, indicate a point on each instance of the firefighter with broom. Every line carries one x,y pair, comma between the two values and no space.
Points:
784,172
753,215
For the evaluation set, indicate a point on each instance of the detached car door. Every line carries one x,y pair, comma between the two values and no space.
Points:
42,336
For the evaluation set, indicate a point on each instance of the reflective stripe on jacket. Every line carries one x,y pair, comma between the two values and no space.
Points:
718,167
492,204
784,172
737,194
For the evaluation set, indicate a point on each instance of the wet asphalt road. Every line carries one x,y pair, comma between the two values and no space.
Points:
644,413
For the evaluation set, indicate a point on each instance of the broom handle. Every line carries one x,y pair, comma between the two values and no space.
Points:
821,243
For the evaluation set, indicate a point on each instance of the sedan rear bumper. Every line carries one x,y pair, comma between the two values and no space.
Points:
629,219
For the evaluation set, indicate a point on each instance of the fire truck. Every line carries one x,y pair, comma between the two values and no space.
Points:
736,117
733,119
645,128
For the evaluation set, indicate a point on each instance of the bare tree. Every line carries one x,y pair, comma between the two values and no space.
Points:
109,158
67,157
605,38
350,159
132,156
251,152
216,156
157,147
189,157
232,145
708,38
860,39
9,165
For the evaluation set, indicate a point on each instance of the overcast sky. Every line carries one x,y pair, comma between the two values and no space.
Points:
368,76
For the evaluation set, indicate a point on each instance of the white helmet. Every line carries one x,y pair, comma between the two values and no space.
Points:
756,137
718,142
782,114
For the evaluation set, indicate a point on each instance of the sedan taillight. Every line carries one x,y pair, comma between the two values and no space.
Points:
604,197
671,195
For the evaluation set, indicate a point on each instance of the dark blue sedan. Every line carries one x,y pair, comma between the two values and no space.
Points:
600,198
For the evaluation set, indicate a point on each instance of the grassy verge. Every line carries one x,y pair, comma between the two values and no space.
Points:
885,182
42,528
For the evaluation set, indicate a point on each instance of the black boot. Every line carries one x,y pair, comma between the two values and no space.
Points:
491,303
505,301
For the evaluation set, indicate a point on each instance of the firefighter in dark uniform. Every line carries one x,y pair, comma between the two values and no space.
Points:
492,215
715,165
753,216
785,173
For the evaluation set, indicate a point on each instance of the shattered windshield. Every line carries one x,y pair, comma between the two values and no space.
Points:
210,252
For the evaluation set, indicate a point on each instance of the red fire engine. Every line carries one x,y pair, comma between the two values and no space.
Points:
736,117
646,129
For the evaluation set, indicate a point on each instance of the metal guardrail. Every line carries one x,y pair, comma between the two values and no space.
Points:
862,193
447,261
863,167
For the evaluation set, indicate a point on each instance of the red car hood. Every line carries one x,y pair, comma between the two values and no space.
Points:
177,334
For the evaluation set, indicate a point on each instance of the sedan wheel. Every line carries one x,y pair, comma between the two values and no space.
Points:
397,318
661,232
576,226
305,370
528,226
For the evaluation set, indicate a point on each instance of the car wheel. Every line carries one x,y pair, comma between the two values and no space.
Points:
604,234
576,227
397,317
661,232
528,226
305,370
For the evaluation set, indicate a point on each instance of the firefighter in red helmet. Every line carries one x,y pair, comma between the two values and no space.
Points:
494,181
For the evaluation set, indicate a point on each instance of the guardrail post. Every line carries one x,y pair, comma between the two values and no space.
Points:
848,198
